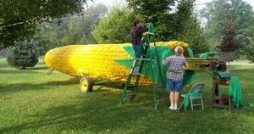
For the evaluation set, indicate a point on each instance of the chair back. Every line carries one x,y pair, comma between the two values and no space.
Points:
197,87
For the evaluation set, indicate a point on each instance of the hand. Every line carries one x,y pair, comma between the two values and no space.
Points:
186,67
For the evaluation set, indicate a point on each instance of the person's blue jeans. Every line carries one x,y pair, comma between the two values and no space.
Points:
174,85
139,50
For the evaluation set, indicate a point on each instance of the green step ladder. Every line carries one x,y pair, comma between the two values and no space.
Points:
137,67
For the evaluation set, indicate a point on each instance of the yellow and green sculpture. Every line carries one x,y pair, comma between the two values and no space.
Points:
109,61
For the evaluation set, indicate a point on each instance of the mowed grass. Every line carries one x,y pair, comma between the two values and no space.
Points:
32,102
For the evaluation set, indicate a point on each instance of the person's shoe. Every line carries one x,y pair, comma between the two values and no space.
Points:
171,108
175,108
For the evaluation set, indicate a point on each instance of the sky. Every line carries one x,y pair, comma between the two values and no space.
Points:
199,3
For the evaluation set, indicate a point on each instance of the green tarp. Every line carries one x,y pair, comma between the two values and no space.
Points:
151,69
194,93
235,91
206,55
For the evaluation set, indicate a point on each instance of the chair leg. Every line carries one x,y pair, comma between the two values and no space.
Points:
202,103
191,105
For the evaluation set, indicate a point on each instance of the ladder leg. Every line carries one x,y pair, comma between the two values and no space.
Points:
124,92
155,101
138,65
191,104
135,88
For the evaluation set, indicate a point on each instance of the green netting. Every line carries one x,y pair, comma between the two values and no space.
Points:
150,27
151,68
206,55
235,91
190,52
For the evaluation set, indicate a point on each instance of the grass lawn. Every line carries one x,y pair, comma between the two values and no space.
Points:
33,102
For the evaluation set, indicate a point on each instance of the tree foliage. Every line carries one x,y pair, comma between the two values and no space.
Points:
193,34
157,12
229,43
18,18
45,38
178,25
23,55
115,28
188,27
172,24
72,29
215,14
80,27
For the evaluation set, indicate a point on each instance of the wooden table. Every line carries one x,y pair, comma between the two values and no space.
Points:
218,100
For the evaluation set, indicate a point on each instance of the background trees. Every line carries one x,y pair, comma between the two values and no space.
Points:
229,47
18,18
157,12
115,28
215,15
171,24
173,19
70,29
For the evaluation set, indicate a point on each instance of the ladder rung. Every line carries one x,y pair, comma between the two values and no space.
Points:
130,94
135,74
144,59
138,65
131,86
197,104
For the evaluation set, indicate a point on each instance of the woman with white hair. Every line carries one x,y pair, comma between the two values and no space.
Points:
174,75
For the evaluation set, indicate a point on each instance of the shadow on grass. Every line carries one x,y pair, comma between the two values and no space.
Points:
31,70
101,115
15,72
12,88
37,68
97,112
95,116
70,81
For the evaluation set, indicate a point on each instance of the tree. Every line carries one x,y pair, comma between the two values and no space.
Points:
45,38
214,14
194,35
80,27
229,46
115,28
189,28
18,18
23,55
72,29
179,24
157,12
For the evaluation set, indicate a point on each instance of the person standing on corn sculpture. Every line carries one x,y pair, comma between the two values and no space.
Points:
137,31
174,75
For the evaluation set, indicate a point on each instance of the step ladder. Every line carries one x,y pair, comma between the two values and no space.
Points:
136,70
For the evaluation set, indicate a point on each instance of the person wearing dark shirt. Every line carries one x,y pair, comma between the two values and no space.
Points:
136,34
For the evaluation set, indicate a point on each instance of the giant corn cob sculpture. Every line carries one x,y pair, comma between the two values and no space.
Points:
107,61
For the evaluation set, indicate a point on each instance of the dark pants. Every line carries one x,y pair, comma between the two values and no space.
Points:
139,50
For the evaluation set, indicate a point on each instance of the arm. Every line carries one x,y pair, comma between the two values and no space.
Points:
185,63
166,61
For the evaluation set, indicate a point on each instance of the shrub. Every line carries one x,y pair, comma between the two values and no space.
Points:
23,55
